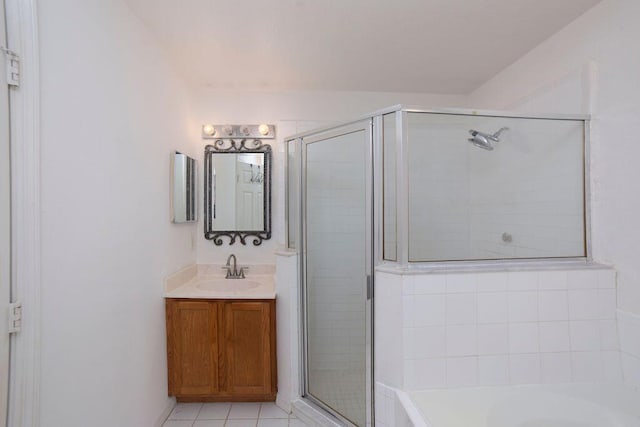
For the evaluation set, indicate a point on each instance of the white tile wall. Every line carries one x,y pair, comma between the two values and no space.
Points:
629,327
335,274
612,366
462,340
553,305
384,405
286,283
586,366
585,335
524,368
475,196
461,308
493,339
392,311
462,329
492,307
523,338
462,371
554,337
555,367
523,306
493,370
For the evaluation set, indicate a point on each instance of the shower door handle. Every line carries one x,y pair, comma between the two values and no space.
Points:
369,287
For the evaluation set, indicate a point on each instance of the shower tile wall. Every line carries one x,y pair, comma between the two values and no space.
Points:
537,197
335,274
629,326
385,406
439,194
468,329
286,282
463,198
333,271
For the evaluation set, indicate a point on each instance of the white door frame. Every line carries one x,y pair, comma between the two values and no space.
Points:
24,387
5,227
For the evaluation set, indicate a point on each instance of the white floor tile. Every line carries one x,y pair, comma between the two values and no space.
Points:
214,411
185,411
273,422
294,422
271,410
177,423
243,410
208,423
241,423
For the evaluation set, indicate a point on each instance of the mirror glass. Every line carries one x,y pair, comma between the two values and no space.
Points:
183,189
237,193
238,181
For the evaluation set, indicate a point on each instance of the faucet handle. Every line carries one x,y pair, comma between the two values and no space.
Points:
241,271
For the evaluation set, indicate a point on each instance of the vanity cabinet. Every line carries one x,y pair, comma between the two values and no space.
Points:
221,350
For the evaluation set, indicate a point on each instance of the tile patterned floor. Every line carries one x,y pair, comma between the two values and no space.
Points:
239,414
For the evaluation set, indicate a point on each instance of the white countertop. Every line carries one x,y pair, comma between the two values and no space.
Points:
257,286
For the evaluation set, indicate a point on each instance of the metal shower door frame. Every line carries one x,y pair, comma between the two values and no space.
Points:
365,125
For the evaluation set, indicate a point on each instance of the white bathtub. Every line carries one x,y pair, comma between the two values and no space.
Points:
566,405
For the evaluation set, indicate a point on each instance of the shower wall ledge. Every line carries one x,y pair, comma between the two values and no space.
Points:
489,267
286,252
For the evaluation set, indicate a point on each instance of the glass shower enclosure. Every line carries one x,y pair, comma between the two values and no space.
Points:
336,233
410,189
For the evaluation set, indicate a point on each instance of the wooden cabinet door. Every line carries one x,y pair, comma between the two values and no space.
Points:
250,348
192,347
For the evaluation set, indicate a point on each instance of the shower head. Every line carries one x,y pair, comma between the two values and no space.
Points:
485,140
480,140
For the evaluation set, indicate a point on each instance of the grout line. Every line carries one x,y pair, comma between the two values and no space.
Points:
198,414
228,413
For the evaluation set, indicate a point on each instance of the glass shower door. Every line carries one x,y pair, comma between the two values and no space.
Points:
337,268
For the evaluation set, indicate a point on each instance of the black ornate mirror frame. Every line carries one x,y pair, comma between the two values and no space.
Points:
232,146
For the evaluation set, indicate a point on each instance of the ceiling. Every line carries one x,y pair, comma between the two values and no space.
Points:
433,46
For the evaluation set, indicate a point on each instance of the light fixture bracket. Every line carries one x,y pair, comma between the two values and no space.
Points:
237,131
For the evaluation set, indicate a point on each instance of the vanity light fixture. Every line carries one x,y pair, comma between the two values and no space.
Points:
209,130
261,131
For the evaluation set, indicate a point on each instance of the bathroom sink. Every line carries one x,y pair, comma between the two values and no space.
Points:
227,285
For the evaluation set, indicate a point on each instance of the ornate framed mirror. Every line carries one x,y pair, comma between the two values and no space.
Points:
237,191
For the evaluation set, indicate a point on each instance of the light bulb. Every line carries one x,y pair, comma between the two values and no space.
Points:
209,130
263,129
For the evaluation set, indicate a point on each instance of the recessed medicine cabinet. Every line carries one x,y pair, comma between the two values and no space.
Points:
184,171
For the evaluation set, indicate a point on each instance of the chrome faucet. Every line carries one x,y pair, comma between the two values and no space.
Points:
232,269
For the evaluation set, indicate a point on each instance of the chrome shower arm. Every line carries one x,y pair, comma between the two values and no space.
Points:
496,136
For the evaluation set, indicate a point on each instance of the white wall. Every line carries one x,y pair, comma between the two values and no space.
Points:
590,66
292,112
112,111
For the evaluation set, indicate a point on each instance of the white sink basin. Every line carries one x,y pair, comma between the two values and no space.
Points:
227,285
